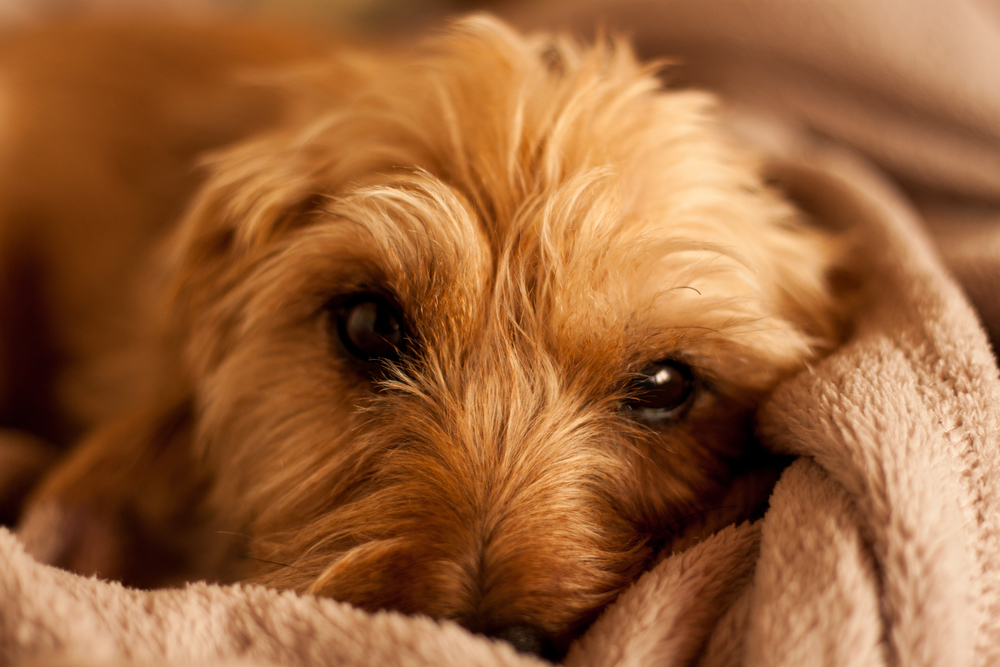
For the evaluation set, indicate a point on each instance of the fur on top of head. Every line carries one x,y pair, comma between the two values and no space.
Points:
548,221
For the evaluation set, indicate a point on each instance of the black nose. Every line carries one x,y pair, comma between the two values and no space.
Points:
529,639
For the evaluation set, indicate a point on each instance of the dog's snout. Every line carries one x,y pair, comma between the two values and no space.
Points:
528,639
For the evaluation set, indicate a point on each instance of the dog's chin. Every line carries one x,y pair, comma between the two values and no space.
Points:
547,571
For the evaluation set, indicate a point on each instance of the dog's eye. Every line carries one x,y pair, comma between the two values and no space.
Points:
370,328
661,391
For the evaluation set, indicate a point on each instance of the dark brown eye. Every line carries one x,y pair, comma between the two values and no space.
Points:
661,391
370,328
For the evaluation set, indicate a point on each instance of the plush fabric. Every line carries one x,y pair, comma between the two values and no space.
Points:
881,544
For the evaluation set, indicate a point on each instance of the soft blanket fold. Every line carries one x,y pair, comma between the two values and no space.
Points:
881,545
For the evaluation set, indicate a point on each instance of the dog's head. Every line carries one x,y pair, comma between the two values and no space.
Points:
469,342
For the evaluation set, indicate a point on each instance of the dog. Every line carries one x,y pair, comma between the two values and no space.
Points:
463,329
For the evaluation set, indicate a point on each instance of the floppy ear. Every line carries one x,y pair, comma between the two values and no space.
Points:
249,191
127,505
815,275
254,193
128,502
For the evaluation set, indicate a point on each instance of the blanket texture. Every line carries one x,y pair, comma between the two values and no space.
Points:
881,544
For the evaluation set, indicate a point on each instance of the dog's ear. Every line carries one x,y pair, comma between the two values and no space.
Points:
254,193
807,260
127,504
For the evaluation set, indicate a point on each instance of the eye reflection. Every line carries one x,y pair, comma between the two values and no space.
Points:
661,392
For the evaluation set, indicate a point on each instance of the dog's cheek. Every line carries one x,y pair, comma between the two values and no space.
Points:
277,427
681,470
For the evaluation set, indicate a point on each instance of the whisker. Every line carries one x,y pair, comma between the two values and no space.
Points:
692,326
230,532
261,560
271,562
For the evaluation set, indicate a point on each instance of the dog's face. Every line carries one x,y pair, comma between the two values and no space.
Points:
471,342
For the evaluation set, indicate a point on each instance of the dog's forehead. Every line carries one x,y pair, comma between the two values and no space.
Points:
607,254
585,202
571,264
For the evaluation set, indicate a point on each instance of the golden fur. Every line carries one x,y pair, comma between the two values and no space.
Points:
548,221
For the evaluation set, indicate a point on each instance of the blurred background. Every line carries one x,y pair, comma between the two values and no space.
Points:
348,15
910,86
